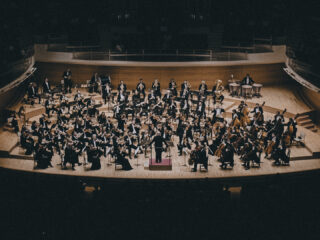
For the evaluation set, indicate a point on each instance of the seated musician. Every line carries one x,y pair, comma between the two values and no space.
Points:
278,117
201,108
217,114
167,96
43,155
106,93
70,155
141,87
122,97
217,92
136,97
46,88
129,139
122,86
227,155
280,155
247,80
151,97
173,87
121,159
185,107
201,157
156,88
94,153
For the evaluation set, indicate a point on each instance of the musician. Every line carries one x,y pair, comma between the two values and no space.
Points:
278,117
122,160
141,87
201,108
122,97
173,87
184,93
94,153
227,156
156,88
43,156
70,155
292,128
203,88
185,107
151,97
201,157
280,155
217,92
67,80
184,147
129,139
46,88
33,92
122,87
167,97
106,93
158,140
258,114
93,87
217,114
247,80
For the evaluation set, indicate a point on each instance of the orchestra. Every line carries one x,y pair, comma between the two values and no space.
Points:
75,128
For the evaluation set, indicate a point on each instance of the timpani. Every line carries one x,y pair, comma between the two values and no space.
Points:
257,89
246,91
234,89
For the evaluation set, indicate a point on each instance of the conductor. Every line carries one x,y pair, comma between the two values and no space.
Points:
158,140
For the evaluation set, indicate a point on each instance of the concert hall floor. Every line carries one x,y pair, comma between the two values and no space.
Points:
276,98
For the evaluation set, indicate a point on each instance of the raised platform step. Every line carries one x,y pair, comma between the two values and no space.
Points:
305,122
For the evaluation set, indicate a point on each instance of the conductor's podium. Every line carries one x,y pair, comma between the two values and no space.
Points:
165,165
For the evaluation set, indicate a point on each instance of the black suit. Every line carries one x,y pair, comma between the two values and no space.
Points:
123,87
158,140
247,81
46,87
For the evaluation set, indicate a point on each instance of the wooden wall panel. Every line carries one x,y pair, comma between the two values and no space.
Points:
267,74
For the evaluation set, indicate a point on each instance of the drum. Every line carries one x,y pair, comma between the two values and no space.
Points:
257,89
234,89
246,91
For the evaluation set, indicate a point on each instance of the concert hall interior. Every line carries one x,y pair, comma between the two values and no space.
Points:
140,119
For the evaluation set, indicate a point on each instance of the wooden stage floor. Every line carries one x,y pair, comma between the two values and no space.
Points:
276,98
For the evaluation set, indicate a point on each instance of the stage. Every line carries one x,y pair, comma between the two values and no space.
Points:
303,159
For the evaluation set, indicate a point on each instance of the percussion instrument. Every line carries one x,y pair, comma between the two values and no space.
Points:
234,89
246,91
257,89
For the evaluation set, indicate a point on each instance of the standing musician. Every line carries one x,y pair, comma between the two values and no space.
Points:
46,88
258,114
156,88
185,88
106,93
67,80
158,141
33,92
217,92
141,87
203,88
93,87
173,87
122,87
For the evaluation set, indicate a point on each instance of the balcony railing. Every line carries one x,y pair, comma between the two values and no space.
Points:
163,55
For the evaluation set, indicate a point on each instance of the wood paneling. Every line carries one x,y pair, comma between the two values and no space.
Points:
266,74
